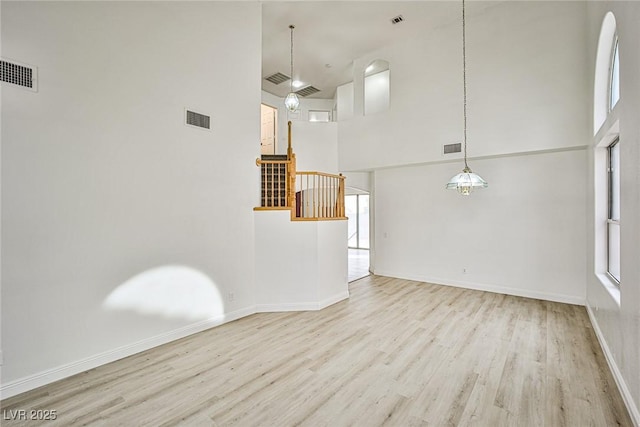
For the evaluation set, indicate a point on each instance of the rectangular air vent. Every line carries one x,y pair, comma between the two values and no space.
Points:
22,75
277,78
396,20
306,91
452,148
197,120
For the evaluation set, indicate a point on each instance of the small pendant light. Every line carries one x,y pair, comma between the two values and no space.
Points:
291,101
466,181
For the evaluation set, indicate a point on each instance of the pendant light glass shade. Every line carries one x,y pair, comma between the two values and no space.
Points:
466,181
291,101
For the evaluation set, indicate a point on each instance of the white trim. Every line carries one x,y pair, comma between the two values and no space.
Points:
302,306
50,375
610,286
567,299
333,299
617,375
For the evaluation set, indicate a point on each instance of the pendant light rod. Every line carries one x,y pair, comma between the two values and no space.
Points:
466,181
464,83
291,27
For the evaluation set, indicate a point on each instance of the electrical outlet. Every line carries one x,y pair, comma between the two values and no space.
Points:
231,296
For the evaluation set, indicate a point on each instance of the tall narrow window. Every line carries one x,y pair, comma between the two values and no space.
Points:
614,86
613,217
607,158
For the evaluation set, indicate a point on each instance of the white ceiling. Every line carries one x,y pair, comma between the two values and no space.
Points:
330,35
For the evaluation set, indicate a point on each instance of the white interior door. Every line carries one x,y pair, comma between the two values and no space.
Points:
268,129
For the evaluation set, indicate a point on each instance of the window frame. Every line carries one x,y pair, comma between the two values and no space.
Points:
611,193
614,73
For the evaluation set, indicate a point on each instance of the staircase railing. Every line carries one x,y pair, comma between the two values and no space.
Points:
311,196
319,196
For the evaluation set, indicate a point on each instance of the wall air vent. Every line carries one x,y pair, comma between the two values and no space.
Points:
22,75
452,148
396,20
197,119
306,91
277,78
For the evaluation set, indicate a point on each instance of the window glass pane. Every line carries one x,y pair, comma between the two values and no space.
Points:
363,214
614,250
351,210
319,116
615,77
614,186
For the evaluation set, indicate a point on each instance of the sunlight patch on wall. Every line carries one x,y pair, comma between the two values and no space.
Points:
170,291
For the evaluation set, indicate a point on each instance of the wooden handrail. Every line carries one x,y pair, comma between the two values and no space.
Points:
271,162
330,175
316,196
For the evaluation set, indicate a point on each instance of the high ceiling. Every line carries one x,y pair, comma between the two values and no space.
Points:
330,35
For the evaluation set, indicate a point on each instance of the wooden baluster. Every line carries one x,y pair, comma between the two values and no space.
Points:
340,198
322,190
333,198
309,194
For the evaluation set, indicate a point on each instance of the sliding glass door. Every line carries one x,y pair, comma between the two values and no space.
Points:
357,210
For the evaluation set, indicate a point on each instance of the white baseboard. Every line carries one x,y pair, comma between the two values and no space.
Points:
302,306
567,299
613,367
50,375
333,299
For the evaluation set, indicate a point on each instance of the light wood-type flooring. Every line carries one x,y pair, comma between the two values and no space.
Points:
397,353
358,263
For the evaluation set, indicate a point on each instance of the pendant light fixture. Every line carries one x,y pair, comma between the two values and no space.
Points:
291,101
466,181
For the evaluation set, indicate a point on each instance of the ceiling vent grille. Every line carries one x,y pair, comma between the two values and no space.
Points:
396,20
452,148
22,75
277,78
198,120
306,91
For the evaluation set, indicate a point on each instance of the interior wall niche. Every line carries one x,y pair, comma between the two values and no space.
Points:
376,87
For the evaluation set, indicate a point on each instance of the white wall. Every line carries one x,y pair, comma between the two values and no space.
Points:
344,101
316,146
358,182
618,326
376,93
102,181
524,235
300,265
527,80
302,115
